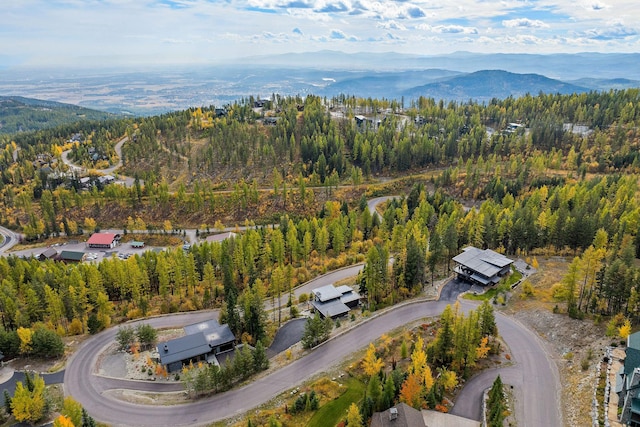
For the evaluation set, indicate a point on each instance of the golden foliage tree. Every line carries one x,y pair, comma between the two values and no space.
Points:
448,379
353,416
427,378
411,391
64,421
72,410
371,363
483,349
28,405
625,330
418,358
25,335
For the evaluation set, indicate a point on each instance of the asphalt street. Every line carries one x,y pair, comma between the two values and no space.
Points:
10,385
533,374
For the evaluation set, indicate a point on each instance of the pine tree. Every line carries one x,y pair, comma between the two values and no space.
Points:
7,401
374,391
260,360
87,420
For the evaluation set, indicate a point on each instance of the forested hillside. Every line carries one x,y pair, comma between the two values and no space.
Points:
549,174
18,114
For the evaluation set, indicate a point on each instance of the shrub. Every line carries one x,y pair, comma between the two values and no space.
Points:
46,343
584,364
76,327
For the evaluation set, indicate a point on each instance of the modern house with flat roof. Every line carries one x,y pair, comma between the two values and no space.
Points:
202,342
103,240
628,383
334,302
483,267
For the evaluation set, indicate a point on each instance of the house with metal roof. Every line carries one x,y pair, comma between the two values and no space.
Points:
483,267
202,342
71,256
333,302
103,240
49,253
628,383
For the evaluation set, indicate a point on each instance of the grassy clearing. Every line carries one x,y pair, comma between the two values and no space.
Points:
331,413
502,288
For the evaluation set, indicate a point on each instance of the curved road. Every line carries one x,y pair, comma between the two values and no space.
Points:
9,239
534,376
118,149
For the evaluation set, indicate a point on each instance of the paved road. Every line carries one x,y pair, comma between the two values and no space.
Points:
8,239
534,376
128,181
10,384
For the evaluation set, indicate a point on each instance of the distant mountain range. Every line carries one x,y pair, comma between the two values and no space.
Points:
484,85
19,114
459,77
558,66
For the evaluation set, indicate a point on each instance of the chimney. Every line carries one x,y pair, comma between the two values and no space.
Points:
393,413
166,348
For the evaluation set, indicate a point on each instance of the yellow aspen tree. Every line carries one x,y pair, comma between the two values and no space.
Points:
63,421
418,358
72,410
353,416
25,335
427,377
371,363
29,405
625,330
448,379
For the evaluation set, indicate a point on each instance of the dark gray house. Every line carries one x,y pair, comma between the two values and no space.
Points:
202,342
334,302
482,267
401,415
628,383
49,253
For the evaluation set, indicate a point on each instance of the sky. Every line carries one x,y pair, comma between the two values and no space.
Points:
86,33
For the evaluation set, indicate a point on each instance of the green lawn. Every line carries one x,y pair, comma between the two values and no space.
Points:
481,297
503,286
331,413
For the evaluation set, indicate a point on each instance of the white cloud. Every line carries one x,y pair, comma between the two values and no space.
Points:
391,25
447,29
524,23
44,31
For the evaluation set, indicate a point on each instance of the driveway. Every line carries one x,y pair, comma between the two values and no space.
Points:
10,385
289,334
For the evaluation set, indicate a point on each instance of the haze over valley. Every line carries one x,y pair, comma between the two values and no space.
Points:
456,77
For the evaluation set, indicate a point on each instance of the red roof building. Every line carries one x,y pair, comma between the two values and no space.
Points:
103,240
